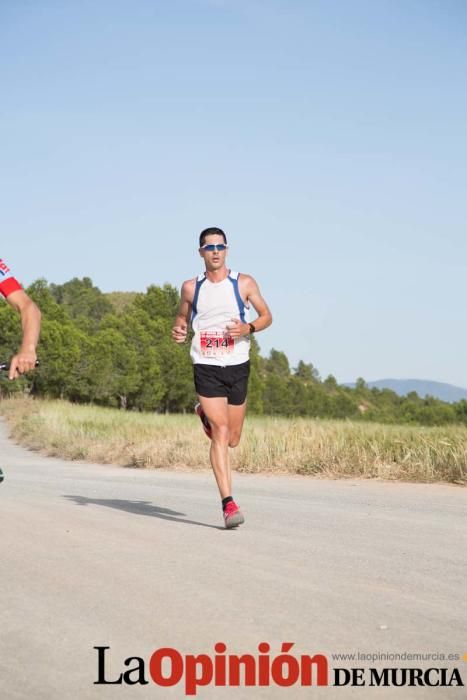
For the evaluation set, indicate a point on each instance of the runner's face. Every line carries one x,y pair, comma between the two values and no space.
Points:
214,260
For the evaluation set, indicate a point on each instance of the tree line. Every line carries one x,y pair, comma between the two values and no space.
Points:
116,350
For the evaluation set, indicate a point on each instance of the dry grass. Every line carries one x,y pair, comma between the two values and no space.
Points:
301,446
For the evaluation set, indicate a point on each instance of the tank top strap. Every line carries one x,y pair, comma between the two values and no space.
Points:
233,277
194,307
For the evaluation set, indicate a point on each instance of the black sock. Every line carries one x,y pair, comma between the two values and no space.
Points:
225,501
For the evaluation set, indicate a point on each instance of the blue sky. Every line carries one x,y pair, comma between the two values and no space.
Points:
327,138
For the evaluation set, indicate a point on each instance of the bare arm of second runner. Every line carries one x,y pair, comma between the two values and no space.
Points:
25,359
180,327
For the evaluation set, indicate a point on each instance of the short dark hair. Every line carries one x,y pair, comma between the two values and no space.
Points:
213,231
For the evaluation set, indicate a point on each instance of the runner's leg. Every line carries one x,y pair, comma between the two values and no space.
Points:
236,418
216,410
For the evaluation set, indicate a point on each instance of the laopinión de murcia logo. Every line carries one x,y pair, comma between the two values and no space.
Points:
167,667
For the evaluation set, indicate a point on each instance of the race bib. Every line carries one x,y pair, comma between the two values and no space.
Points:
215,344
4,269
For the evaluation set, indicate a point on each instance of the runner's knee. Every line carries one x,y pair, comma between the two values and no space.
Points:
234,439
220,432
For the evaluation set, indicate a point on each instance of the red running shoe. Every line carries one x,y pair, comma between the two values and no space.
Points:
204,420
233,516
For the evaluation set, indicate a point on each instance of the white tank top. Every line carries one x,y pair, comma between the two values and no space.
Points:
214,306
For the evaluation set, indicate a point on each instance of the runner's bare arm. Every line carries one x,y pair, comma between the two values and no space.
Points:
25,359
180,327
251,294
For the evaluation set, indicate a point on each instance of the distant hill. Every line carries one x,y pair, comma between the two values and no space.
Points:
423,387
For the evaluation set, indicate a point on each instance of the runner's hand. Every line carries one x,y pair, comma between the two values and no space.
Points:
179,333
23,362
237,329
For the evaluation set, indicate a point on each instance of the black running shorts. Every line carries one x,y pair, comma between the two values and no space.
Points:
232,382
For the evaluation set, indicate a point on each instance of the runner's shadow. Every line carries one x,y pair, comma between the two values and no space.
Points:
139,508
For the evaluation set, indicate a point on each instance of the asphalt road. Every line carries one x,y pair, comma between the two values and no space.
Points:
137,560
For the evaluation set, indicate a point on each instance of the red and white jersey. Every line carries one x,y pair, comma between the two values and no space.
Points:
8,282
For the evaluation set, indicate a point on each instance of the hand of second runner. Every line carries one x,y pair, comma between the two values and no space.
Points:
23,362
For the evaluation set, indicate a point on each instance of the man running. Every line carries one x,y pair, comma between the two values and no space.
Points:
217,303
11,290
